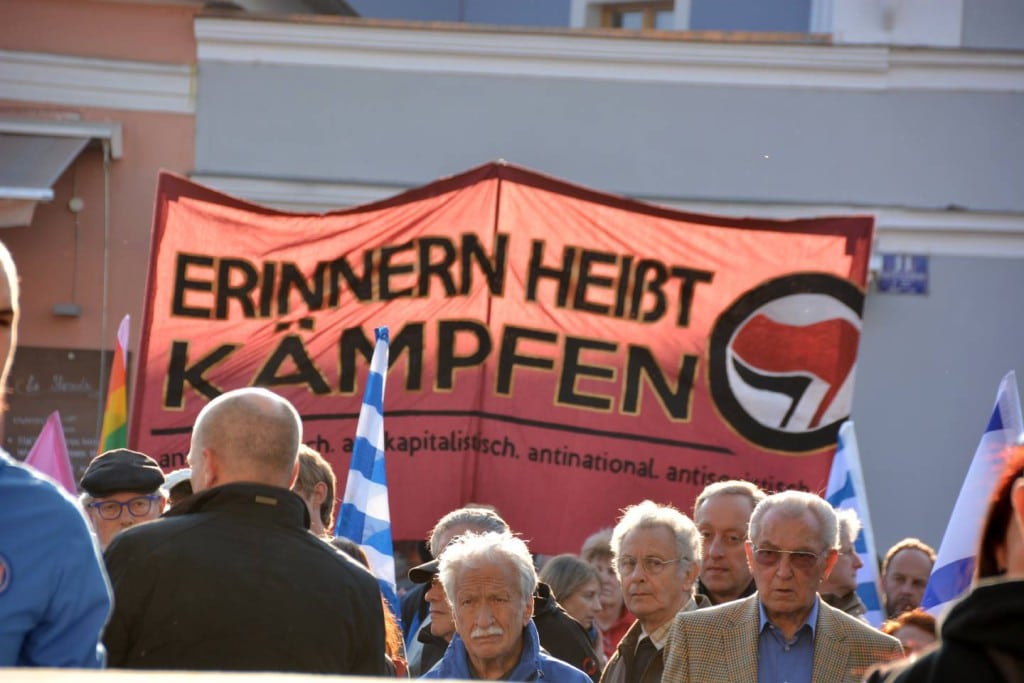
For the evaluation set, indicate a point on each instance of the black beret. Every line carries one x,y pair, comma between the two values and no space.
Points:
423,573
119,471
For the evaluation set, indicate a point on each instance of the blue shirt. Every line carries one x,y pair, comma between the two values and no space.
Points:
54,593
785,661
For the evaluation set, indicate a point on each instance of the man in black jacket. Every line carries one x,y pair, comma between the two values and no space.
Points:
231,579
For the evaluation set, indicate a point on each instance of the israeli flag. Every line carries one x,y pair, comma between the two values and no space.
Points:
846,491
365,515
954,566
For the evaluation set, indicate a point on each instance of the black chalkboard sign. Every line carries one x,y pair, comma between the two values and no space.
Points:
67,380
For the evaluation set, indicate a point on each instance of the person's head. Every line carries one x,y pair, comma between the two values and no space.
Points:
315,485
597,552
722,513
1001,549
249,434
575,585
905,571
792,548
352,549
442,624
177,486
121,488
915,629
490,581
657,558
843,579
9,314
474,518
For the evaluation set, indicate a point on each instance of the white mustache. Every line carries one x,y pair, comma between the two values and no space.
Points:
484,632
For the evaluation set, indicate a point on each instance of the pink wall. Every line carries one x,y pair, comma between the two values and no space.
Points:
144,31
45,251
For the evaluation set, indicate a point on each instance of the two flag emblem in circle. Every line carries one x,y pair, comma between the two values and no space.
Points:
781,361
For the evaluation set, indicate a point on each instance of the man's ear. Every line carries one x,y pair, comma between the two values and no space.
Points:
527,613
319,494
692,572
214,468
830,561
749,547
295,475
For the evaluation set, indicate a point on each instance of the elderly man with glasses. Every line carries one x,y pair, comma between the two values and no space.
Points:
121,488
657,558
783,632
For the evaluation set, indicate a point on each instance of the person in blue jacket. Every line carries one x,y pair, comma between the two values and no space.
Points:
490,580
54,593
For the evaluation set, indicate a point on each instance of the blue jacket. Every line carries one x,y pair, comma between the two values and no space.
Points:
534,665
54,594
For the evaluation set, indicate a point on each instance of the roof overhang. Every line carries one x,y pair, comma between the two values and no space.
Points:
35,153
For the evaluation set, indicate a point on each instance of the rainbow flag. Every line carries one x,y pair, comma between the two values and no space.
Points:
115,416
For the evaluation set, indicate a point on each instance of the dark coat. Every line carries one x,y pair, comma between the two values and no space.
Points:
561,635
231,579
982,637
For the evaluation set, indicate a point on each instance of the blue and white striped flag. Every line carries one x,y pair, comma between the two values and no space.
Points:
846,491
365,516
954,566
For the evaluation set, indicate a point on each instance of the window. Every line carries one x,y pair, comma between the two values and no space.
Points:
638,15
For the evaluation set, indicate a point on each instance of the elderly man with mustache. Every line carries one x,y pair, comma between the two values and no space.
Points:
489,580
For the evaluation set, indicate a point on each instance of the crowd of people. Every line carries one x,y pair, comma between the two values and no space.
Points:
231,565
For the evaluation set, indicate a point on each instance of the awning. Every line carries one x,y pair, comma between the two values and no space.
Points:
34,154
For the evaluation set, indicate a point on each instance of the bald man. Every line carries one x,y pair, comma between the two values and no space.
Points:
231,579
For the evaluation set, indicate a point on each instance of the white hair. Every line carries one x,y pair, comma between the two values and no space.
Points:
471,550
650,515
849,525
794,504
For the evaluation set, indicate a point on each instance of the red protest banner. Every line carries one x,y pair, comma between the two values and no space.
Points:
556,352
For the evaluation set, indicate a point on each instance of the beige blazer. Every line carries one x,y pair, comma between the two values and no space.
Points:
720,644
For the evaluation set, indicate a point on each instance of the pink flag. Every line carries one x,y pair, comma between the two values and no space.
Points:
49,454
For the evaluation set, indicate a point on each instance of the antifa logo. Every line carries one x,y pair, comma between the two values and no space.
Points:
782,358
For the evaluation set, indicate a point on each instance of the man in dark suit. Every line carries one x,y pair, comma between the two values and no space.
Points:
784,631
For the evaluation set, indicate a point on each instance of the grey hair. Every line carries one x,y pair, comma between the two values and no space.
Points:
481,520
598,546
795,504
733,487
471,550
648,515
849,525
565,574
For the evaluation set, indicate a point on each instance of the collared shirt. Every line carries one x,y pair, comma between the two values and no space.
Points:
658,636
785,661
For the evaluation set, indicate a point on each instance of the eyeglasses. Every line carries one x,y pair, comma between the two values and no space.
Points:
799,559
652,565
112,509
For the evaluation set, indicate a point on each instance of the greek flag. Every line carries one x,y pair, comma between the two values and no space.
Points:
365,516
846,491
954,566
